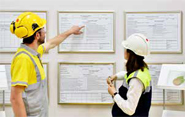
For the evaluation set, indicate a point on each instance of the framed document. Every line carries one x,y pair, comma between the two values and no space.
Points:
172,97
163,29
9,42
84,83
97,36
8,73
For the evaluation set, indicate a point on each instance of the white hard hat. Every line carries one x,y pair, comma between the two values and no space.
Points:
138,43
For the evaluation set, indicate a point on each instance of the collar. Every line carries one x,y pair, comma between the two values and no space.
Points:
35,53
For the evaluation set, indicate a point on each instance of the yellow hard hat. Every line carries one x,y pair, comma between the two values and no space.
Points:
27,24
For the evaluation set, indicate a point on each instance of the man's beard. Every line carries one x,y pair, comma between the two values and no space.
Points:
41,41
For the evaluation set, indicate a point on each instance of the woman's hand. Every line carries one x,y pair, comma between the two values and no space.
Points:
111,89
110,79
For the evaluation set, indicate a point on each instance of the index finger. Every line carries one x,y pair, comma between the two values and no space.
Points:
82,27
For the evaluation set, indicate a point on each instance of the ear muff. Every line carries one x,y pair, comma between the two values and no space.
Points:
12,27
21,31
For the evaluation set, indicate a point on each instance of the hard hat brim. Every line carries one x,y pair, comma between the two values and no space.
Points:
125,44
43,22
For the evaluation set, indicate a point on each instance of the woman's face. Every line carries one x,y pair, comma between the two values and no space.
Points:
126,55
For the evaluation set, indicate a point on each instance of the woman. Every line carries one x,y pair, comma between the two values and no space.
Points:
134,96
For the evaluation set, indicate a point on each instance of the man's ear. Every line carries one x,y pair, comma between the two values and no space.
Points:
37,35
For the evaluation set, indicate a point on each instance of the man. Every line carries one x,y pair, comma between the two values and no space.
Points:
29,87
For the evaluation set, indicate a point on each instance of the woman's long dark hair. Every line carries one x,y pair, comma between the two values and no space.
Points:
134,62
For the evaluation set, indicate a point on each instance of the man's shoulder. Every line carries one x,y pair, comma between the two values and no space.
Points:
20,56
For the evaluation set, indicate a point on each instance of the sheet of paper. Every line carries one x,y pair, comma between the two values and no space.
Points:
2,68
97,35
2,114
162,29
84,83
169,72
3,78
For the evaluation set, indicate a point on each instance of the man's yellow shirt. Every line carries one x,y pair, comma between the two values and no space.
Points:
23,72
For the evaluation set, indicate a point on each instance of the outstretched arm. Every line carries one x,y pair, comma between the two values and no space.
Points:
61,37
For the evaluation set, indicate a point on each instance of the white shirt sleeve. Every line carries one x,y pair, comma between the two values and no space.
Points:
133,95
120,75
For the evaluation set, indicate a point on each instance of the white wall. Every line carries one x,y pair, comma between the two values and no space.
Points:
53,57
